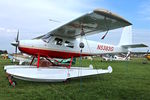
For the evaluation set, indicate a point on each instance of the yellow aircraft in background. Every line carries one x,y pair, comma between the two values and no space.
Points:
147,56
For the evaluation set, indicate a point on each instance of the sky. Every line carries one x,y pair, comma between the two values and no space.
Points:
31,18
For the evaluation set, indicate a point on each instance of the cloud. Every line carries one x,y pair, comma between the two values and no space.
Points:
7,30
2,29
33,15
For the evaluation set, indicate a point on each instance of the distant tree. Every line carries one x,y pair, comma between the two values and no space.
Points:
3,52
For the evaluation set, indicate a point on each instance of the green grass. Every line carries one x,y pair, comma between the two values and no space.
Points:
130,80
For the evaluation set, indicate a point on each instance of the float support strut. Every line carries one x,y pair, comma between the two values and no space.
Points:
32,60
70,62
38,60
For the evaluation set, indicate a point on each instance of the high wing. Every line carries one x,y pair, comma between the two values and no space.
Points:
97,21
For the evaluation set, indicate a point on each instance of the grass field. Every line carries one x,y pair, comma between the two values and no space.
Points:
130,80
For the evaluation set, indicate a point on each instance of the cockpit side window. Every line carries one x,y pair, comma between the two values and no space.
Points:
69,44
58,41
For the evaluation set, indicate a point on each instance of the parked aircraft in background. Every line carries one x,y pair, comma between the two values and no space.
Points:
147,55
20,58
117,57
23,59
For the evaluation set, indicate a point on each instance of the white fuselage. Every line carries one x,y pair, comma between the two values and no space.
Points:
58,47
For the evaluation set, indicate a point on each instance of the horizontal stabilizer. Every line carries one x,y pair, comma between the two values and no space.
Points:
134,46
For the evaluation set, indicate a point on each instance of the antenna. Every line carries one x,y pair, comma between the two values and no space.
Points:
54,21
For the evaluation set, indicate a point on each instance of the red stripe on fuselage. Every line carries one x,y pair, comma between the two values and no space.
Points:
50,53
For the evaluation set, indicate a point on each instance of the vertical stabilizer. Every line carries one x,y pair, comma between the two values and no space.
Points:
126,37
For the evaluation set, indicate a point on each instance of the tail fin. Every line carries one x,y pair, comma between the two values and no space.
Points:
126,37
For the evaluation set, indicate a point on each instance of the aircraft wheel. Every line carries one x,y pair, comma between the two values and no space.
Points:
12,83
67,80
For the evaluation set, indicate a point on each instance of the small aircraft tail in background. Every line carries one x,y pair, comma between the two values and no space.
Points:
126,39
147,55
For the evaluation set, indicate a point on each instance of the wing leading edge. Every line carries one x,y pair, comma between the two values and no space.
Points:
97,21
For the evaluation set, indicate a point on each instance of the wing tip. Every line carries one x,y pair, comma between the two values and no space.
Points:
110,14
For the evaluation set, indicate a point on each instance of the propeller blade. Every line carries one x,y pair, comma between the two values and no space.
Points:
16,49
17,39
16,43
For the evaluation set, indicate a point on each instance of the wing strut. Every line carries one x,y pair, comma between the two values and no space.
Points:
106,28
104,35
32,60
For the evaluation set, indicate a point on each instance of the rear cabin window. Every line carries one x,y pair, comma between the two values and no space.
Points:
69,44
58,41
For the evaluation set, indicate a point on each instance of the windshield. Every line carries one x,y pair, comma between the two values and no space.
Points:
46,38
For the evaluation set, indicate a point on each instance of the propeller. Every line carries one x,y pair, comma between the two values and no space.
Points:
16,43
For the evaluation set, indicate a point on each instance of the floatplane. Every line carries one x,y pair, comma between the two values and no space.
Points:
69,41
